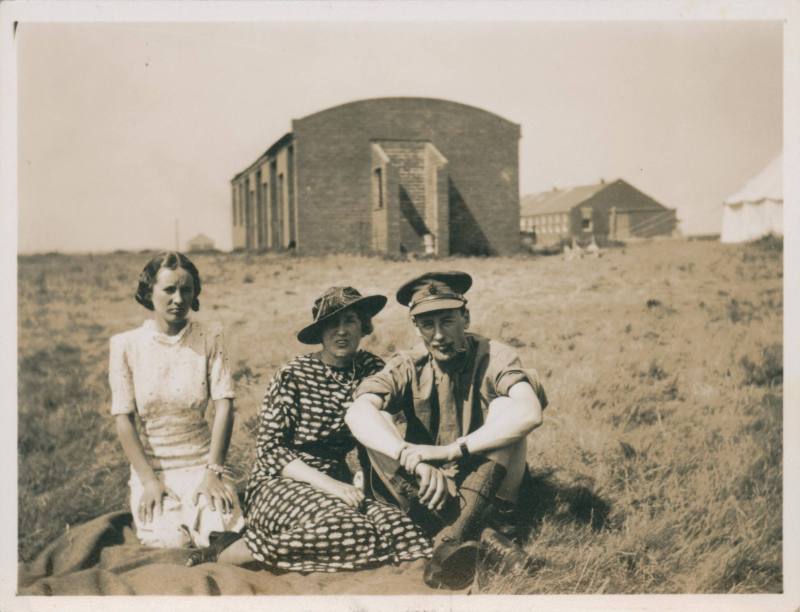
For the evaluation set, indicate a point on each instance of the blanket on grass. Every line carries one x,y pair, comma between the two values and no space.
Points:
103,557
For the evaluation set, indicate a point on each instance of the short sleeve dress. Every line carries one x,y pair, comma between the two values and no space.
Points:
168,381
293,526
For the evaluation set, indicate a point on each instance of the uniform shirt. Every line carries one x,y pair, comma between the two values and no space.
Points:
438,405
167,381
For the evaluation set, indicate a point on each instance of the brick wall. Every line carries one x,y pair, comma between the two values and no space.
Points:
378,196
408,158
237,217
333,163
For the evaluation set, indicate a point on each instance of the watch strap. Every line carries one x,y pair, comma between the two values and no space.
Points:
462,445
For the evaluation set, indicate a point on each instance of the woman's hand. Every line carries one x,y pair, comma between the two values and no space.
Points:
432,486
153,498
217,493
412,455
352,496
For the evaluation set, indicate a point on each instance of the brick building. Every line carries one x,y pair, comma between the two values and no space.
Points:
385,175
614,211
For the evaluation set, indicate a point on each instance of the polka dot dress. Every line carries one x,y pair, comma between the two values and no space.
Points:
293,526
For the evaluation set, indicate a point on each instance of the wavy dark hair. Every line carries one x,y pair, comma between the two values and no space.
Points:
171,260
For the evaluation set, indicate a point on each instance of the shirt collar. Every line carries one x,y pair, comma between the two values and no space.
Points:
460,363
158,335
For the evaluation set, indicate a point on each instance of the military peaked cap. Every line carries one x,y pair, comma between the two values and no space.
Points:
435,291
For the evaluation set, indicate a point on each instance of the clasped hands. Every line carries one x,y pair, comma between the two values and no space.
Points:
418,459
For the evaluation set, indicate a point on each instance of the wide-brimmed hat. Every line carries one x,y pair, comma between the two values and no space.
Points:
435,291
334,301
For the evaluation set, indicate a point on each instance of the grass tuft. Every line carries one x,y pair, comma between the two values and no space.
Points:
768,370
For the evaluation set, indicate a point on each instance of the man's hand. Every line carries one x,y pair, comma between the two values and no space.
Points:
432,486
413,454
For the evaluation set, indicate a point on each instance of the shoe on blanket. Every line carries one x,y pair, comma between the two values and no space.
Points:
217,542
452,565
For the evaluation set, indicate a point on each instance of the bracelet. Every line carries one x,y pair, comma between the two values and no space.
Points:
216,468
462,445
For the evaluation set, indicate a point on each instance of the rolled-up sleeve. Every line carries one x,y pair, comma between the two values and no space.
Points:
276,425
506,371
220,382
390,383
120,378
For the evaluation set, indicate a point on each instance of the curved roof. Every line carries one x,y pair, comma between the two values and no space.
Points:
766,185
409,100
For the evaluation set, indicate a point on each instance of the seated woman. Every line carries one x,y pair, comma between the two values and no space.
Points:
303,512
165,372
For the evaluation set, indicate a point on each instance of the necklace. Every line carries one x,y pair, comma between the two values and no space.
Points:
339,376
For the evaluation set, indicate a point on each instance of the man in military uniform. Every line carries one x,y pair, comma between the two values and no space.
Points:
468,405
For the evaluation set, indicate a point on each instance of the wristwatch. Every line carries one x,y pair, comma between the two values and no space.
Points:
462,445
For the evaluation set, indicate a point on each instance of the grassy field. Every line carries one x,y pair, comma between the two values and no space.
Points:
658,468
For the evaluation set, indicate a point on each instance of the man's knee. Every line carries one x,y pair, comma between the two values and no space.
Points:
513,453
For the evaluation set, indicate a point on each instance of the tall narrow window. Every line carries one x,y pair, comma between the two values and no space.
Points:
378,184
263,216
284,241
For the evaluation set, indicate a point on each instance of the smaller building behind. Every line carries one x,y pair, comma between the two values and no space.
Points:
605,212
201,242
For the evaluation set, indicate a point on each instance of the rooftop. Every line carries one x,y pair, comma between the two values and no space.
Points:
558,200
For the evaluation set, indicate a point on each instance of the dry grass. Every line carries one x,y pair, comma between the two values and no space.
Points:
658,468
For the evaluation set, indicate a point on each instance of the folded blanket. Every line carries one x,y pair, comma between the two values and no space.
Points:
103,557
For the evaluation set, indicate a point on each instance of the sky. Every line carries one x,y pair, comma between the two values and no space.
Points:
127,129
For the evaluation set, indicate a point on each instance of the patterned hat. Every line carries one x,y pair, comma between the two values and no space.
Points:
334,301
435,291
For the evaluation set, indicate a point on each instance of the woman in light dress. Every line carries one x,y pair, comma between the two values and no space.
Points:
163,374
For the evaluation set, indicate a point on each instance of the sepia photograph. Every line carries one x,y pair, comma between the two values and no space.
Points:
404,305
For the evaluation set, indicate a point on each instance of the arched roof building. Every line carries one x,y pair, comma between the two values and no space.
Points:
385,175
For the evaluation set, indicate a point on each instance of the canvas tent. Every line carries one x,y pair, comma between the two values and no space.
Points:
757,208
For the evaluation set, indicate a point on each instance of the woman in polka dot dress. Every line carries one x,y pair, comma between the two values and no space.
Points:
303,512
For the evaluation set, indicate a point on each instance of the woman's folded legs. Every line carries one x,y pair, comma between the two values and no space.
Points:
293,526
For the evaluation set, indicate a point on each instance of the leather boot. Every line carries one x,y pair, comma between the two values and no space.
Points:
505,518
452,565
477,493
504,556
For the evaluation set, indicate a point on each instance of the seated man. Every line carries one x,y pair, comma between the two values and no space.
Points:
468,405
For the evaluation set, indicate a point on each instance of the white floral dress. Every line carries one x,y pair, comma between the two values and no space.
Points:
168,381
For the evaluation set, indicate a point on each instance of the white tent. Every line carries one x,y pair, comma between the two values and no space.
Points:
757,208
